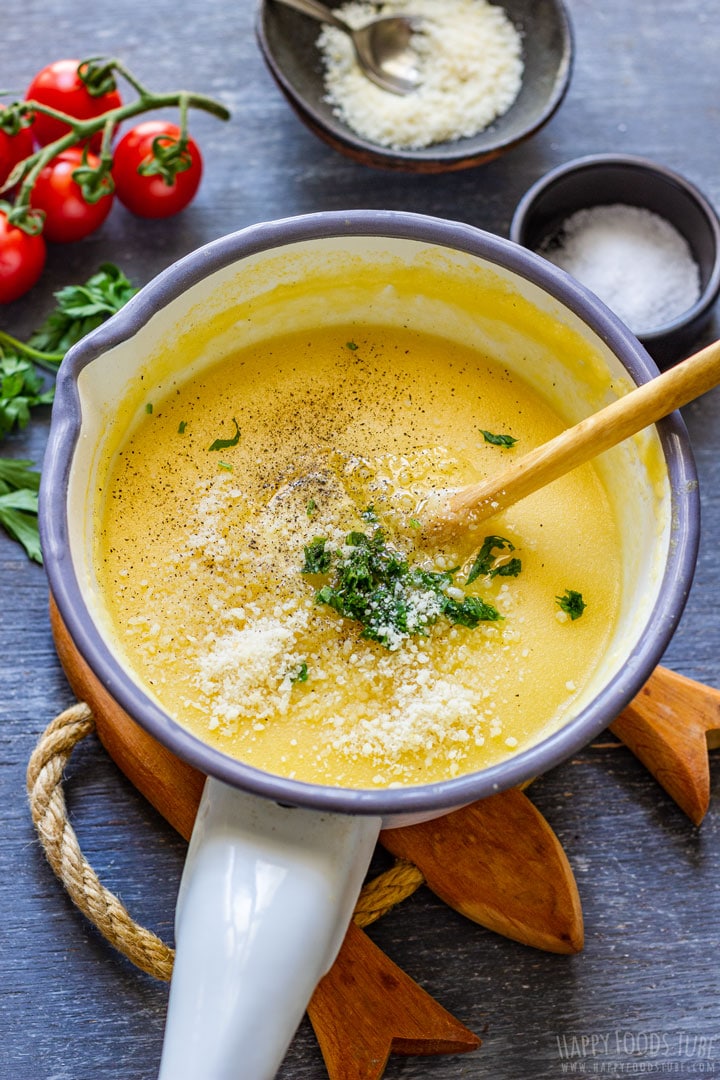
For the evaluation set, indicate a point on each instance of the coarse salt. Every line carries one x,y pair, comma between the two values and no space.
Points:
633,259
472,69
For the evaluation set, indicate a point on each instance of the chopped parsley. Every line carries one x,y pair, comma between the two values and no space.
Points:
498,440
373,584
486,559
317,559
181,427
311,508
300,674
571,603
148,407
225,444
352,346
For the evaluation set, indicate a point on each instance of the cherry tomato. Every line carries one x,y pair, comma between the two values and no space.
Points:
13,148
68,216
59,86
22,258
150,196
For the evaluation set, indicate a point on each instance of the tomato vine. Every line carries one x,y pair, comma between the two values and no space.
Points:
98,74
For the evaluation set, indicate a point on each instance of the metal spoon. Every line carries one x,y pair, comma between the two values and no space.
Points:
382,47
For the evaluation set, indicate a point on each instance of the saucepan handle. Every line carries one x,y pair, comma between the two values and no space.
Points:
265,900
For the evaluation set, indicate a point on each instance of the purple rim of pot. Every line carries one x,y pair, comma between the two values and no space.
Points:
464,789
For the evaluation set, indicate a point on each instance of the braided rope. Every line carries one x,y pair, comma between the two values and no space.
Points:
57,836
60,843
384,892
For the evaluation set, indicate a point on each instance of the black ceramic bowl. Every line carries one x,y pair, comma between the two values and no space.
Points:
603,179
288,43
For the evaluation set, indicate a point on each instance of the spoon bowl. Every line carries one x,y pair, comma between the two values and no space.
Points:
383,47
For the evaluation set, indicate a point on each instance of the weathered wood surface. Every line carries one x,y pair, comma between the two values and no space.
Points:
644,995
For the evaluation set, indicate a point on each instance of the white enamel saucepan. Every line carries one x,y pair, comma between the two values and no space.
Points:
275,865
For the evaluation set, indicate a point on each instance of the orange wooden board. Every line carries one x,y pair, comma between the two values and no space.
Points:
497,862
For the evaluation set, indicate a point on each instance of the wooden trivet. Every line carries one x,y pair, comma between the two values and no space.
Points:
670,726
497,862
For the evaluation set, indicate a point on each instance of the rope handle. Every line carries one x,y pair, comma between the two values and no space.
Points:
105,911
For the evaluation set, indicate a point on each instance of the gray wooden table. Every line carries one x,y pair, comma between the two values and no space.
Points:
645,989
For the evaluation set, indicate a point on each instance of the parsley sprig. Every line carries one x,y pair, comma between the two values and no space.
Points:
79,309
373,584
82,308
21,389
19,485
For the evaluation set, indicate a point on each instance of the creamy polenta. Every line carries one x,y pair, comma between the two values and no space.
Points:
239,500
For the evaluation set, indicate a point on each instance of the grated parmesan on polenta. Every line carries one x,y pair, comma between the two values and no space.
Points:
201,555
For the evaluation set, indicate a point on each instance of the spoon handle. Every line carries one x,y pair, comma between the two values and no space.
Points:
604,429
318,11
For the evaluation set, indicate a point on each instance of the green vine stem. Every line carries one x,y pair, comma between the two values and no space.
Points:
28,170
47,360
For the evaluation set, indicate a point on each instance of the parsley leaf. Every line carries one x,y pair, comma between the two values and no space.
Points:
498,440
81,308
18,504
571,603
224,444
21,389
486,558
18,474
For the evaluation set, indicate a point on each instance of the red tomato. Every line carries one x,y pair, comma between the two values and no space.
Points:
13,148
67,216
150,196
22,258
59,86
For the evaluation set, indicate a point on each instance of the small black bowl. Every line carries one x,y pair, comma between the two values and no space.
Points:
287,41
602,179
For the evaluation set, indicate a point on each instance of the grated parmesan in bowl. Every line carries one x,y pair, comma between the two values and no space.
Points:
493,75
472,68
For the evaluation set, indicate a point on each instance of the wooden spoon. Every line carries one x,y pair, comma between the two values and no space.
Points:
604,429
